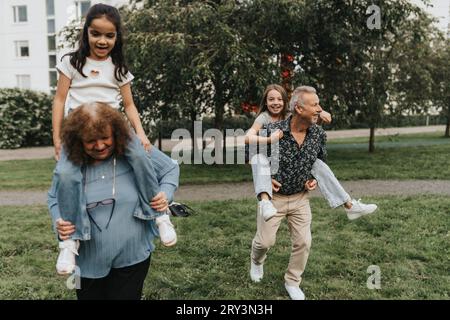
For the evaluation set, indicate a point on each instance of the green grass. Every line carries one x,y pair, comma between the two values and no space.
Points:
407,238
26,174
424,162
425,156
434,137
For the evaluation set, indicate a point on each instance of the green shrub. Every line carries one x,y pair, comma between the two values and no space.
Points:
25,118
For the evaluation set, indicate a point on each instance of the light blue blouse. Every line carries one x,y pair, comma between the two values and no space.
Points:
118,238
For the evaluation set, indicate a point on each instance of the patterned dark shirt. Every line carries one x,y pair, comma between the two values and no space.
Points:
295,161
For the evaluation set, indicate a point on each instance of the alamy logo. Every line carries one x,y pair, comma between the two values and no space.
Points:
374,21
74,281
374,280
215,152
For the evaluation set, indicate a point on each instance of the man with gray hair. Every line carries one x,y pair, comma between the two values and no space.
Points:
300,168
302,143
297,97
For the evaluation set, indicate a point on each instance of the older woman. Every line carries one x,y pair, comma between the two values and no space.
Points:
114,261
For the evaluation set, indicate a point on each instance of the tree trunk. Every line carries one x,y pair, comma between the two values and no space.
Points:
160,134
224,146
447,128
218,119
372,140
194,149
219,104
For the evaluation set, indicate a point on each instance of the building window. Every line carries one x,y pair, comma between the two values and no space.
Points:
53,78
23,81
51,43
82,8
52,61
50,8
20,14
51,26
22,49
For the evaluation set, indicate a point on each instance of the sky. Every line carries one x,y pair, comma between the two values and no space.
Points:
439,10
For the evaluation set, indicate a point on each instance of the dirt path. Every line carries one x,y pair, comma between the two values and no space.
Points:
357,189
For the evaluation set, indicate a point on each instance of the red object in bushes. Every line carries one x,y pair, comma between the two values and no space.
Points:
285,74
245,106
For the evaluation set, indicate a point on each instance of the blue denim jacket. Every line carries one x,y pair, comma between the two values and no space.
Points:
167,174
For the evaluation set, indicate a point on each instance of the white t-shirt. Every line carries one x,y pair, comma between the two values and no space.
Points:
264,118
99,86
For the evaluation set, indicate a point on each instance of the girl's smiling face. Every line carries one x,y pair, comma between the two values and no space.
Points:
275,103
102,37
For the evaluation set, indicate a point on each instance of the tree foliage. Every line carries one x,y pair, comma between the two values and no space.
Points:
193,57
366,73
189,58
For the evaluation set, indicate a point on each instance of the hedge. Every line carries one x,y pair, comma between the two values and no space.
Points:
25,118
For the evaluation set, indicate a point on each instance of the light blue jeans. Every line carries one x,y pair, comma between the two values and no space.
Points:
329,186
71,198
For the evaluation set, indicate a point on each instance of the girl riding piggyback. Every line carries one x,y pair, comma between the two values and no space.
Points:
97,72
274,107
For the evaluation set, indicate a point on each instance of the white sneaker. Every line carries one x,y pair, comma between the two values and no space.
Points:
267,209
256,271
166,231
65,264
360,209
294,292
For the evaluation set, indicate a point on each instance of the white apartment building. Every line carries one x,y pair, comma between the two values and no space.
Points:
29,39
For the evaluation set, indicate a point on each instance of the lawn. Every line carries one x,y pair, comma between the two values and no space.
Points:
397,157
407,238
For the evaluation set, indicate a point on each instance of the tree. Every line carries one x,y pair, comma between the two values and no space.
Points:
189,58
192,57
354,67
275,28
440,64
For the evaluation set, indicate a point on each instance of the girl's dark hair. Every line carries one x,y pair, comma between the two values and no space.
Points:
263,103
78,57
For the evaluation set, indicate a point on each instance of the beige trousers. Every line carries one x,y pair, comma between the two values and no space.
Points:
298,213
